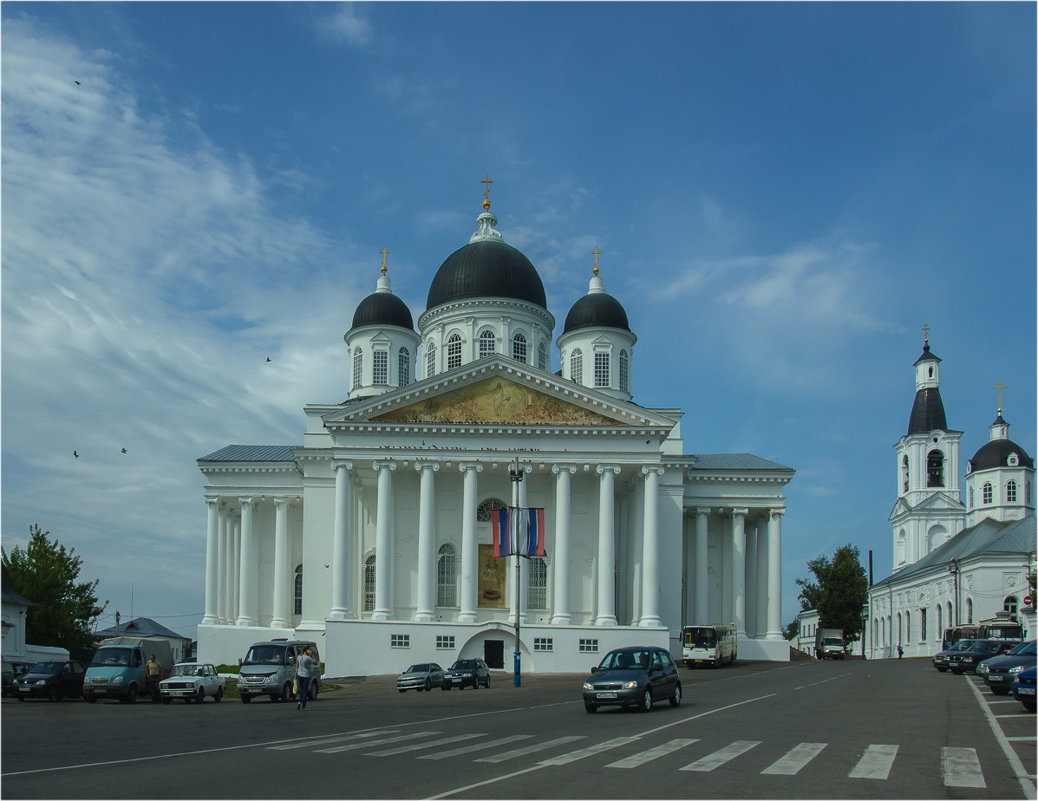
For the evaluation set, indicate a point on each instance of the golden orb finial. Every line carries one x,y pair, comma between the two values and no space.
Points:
382,267
926,333
486,192
1000,386
596,253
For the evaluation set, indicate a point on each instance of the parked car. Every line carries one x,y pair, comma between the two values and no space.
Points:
1023,688
637,677
192,682
11,671
940,659
269,668
964,661
423,676
467,673
51,680
999,671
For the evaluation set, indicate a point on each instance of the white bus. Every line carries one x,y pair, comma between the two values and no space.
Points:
710,645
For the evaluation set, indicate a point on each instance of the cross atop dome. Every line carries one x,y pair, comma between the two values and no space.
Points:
486,192
382,267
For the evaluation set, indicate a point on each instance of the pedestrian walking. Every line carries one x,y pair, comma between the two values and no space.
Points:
304,666
900,651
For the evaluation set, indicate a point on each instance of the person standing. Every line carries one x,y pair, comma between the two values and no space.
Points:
152,673
304,667
900,651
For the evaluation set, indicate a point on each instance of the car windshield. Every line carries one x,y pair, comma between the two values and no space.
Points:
701,638
265,655
1026,649
962,645
186,670
47,667
463,664
626,660
417,669
111,657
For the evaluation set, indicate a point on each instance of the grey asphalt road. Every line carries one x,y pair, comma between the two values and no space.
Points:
850,729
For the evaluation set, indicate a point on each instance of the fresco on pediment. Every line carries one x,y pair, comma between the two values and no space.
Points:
495,400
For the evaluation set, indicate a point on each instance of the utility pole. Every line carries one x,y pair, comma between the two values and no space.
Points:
515,473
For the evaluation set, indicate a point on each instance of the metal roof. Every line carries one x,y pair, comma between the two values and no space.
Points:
141,626
734,461
251,453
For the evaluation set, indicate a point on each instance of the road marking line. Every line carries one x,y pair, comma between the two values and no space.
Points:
468,749
531,749
652,753
403,749
721,756
369,743
875,763
591,750
1010,753
961,768
795,759
337,739
1030,739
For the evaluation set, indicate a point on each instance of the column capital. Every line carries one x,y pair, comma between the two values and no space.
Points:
211,499
341,464
388,464
285,500
604,468
773,513
703,510
564,468
420,466
246,500
652,468
740,511
463,466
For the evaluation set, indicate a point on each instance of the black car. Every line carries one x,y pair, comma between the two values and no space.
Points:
963,661
940,659
11,671
636,677
51,680
999,671
467,673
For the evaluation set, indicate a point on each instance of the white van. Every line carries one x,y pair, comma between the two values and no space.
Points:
269,668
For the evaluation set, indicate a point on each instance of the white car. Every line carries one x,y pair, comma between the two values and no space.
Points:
192,681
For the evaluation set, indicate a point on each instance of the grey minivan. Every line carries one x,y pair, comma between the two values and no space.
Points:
270,667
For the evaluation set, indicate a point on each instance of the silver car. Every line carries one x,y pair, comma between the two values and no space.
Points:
423,676
192,682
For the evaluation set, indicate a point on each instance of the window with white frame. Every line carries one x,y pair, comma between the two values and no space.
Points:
453,351
1011,491
922,625
537,597
399,640
430,358
542,356
484,509
601,369
446,576
403,367
369,583
543,644
625,371
1010,604
445,642
487,343
576,366
971,498
588,646
380,367
358,366
985,492
519,347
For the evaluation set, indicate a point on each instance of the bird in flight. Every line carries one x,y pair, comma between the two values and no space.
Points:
124,450
269,359
77,83
76,454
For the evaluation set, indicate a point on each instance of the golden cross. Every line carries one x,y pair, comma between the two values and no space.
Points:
486,191
382,267
1000,386
596,253
926,333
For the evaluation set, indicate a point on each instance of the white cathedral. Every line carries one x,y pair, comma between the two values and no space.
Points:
373,536
953,564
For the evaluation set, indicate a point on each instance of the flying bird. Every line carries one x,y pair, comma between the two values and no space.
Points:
269,359
124,450
77,83
76,454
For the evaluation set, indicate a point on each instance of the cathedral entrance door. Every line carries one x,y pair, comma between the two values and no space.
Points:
494,653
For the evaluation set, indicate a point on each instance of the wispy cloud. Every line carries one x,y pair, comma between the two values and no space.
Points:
346,25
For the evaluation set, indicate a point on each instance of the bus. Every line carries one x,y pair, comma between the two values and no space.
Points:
709,644
970,631
996,628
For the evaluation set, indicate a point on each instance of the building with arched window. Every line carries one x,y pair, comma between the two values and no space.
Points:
385,502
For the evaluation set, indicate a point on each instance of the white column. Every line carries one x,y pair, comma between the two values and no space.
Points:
340,609
651,549
469,546
223,551
384,542
702,588
775,575
282,570
560,559
211,559
249,569
751,581
606,556
425,606
739,570
761,593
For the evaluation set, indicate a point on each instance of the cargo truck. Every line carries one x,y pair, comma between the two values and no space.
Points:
117,669
829,644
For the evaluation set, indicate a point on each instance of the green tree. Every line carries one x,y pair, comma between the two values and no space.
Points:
839,592
47,574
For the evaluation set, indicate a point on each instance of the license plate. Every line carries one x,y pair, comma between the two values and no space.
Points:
996,678
1025,691
697,660
605,695
25,689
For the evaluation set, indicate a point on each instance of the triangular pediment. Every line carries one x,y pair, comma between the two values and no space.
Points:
498,392
938,502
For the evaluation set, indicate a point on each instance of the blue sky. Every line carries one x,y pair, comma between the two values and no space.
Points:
783,195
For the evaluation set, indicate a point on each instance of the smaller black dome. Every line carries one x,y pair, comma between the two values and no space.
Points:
383,308
596,310
996,454
927,412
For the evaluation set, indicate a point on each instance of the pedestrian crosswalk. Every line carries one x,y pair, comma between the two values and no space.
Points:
958,767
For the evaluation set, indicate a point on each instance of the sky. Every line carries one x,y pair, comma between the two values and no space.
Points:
783,195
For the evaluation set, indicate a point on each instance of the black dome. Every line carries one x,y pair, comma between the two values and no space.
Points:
383,308
596,309
996,454
486,269
927,412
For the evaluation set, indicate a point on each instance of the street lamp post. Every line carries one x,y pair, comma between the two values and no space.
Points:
953,568
515,473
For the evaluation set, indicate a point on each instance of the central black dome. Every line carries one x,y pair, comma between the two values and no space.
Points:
486,269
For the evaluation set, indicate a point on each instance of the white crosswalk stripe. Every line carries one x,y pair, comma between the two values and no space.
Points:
531,749
875,763
368,743
403,749
653,753
337,739
721,756
961,768
468,749
795,759
591,750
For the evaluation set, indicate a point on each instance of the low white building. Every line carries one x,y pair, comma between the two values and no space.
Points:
13,611
373,535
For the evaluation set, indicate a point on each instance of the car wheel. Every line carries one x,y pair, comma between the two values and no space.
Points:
999,690
311,694
21,697
590,707
90,699
286,691
218,696
201,695
487,683
445,687
246,698
131,695
675,699
428,685
53,694
646,704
